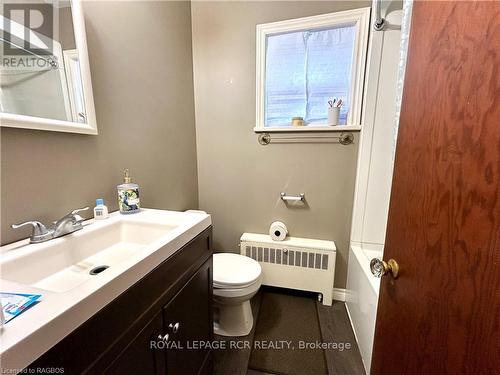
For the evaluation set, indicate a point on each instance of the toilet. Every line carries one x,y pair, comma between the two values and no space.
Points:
236,279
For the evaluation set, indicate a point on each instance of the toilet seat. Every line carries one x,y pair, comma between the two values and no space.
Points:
222,285
235,271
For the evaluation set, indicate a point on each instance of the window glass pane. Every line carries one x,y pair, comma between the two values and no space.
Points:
285,78
306,69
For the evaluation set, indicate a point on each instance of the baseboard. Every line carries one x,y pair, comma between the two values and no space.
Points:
339,294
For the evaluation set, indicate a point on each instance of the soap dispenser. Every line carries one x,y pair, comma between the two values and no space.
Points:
128,195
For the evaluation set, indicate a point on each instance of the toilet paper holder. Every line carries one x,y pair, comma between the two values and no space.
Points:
293,198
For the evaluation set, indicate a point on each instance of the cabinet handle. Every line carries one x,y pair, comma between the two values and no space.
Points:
163,338
174,327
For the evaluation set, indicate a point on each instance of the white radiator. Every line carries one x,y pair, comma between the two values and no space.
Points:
296,263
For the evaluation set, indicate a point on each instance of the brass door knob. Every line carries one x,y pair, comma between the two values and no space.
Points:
380,268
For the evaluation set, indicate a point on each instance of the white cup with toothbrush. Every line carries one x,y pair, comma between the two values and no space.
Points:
334,111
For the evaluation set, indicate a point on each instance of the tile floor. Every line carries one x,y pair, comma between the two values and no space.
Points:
334,326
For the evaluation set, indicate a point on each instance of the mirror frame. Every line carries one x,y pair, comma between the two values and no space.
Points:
39,123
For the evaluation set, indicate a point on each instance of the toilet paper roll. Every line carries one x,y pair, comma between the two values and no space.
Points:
278,231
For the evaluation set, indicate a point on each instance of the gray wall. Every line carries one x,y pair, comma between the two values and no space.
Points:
139,50
240,180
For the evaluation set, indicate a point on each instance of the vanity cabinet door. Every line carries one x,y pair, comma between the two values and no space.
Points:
139,357
188,322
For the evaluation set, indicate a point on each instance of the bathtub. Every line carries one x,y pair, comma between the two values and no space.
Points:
362,297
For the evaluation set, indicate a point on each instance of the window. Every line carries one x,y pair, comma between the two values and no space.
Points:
304,63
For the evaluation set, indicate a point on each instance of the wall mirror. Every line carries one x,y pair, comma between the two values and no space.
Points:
44,67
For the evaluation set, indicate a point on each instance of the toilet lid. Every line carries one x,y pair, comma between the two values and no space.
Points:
235,270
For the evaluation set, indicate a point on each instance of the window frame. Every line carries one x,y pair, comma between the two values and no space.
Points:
359,17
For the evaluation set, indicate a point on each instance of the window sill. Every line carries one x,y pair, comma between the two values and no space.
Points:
306,129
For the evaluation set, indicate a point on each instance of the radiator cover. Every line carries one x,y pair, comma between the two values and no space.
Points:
295,263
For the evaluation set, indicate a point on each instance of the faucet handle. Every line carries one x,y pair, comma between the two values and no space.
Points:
77,219
38,228
39,233
79,210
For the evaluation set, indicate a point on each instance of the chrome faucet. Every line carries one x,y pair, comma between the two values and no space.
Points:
67,224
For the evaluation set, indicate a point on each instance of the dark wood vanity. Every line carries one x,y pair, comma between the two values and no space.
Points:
152,327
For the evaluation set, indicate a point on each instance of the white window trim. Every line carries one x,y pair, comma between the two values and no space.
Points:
360,18
70,60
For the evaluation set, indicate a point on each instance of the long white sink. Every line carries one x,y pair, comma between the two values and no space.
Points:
63,265
61,271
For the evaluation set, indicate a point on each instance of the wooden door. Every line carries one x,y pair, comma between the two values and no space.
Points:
441,315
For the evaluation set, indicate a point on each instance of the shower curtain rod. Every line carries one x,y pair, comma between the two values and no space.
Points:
379,22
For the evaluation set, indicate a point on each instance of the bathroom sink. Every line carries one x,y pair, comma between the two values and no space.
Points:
79,274
62,264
